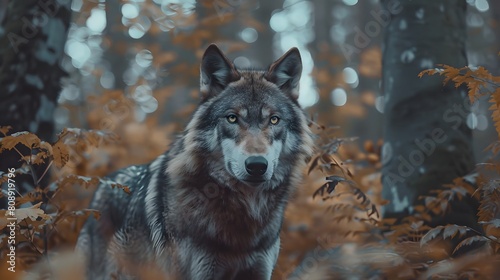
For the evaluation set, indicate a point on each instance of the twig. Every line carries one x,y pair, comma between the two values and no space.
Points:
46,169
484,235
31,237
18,152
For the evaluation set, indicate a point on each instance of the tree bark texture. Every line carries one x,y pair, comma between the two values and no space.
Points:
31,45
427,142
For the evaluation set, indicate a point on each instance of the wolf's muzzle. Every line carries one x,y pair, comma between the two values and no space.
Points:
256,165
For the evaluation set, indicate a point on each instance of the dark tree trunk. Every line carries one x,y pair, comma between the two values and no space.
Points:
116,52
31,46
32,38
265,40
427,141
323,21
491,50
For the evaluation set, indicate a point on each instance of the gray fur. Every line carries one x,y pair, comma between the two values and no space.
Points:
195,212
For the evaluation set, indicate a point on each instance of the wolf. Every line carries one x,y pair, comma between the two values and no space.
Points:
212,206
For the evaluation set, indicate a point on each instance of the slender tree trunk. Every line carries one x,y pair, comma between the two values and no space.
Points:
265,40
427,141
116,53
494,47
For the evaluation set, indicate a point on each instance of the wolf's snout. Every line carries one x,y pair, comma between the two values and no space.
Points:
256,165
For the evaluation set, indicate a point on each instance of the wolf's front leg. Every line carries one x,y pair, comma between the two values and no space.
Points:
193,262
263,268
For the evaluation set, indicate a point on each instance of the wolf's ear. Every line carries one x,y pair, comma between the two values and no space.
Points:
285,72
216,72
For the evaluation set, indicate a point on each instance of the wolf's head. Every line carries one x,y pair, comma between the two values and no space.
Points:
249,127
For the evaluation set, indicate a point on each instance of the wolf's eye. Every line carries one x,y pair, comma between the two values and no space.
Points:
232,118
274,120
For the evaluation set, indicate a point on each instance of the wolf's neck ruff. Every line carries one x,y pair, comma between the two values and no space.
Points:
212,206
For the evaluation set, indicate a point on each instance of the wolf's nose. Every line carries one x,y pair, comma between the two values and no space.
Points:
256,166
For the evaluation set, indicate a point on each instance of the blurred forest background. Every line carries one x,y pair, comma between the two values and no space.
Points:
124,76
